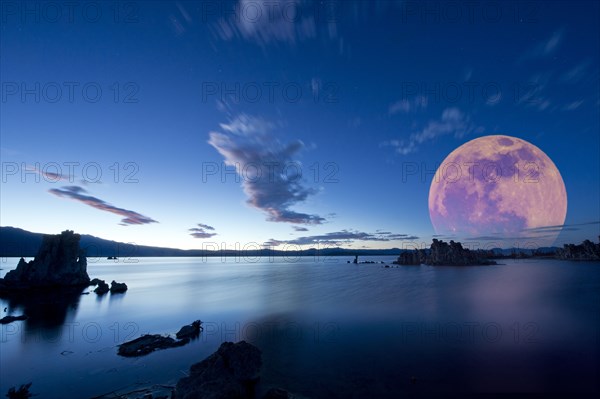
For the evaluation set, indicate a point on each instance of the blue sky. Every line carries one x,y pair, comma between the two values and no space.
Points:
144,109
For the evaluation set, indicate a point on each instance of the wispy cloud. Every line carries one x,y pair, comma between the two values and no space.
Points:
576,73
48,174
78,193
201,231
248,145
453,121
406,106
571,227
343,236
300,228
546,47
271,21
573,105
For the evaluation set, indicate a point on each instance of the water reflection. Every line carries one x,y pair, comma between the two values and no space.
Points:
47,310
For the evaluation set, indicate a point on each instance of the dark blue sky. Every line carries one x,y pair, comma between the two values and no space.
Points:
158,96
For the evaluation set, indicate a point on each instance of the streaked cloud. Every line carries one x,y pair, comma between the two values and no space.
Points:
247,145
78,193
342,237
545,47
576,73
573,105
201,231
406,106
453,121
267,22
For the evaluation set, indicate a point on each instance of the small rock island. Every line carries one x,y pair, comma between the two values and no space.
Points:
444,254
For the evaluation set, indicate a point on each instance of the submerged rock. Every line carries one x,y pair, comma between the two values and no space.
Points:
60,262
231,372
147,344
116,288
150,342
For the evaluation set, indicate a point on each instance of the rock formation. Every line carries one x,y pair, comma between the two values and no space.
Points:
190,331
10,319
151,342
147,344
444,254
116,288
587,250
231,372
60,262
102,288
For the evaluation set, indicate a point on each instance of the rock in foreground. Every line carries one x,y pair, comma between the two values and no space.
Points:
102,287
116,288
190,331
147,344
231,372
59,263
10,319
151,342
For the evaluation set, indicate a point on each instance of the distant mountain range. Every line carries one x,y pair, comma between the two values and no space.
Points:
15,242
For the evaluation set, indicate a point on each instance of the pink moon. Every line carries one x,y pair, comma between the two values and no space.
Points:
499,188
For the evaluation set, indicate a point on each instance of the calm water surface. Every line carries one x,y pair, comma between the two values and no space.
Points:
326,328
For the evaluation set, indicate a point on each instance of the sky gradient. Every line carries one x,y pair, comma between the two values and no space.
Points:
241,123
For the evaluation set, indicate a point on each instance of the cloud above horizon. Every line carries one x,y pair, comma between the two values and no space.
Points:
343,236
201,231
270,175
78,193
453,121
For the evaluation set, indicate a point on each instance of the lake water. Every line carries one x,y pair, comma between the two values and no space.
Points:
326,328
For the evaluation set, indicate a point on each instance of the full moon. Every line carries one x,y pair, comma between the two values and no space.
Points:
498,188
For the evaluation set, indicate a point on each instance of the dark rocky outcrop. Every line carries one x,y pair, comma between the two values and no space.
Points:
102,288
587,250
96,281
231,372
59,262
21,393
151,342
116,288
190,331
444,254
147,344
10,319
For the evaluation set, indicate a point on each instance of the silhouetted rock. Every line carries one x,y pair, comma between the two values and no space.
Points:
21,393
10,319
231,372
59,263
102,287
150,342
444,254
587,250
147,344
190,331
96,281
116,288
